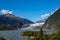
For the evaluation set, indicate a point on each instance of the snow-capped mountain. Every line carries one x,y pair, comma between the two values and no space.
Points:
12,20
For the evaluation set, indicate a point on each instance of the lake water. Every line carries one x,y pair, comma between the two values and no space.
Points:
12,34
15,34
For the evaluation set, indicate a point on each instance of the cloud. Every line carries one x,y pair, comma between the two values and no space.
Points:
44,16
54,11
6,11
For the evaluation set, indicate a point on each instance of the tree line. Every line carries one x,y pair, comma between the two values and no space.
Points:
39,35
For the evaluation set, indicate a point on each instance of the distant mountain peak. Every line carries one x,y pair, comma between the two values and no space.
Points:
8,14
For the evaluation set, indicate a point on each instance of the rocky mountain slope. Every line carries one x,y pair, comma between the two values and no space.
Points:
53,21
14,21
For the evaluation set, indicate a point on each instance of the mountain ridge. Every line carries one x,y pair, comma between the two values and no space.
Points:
53,21
16,22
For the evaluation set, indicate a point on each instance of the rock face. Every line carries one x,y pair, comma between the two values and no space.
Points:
53,21
12,20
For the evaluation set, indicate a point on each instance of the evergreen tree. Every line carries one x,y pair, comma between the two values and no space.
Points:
41,32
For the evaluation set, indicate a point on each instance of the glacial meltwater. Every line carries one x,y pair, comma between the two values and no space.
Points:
11,34
15,34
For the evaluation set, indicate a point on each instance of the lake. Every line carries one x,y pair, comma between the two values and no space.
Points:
12,34
15,34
